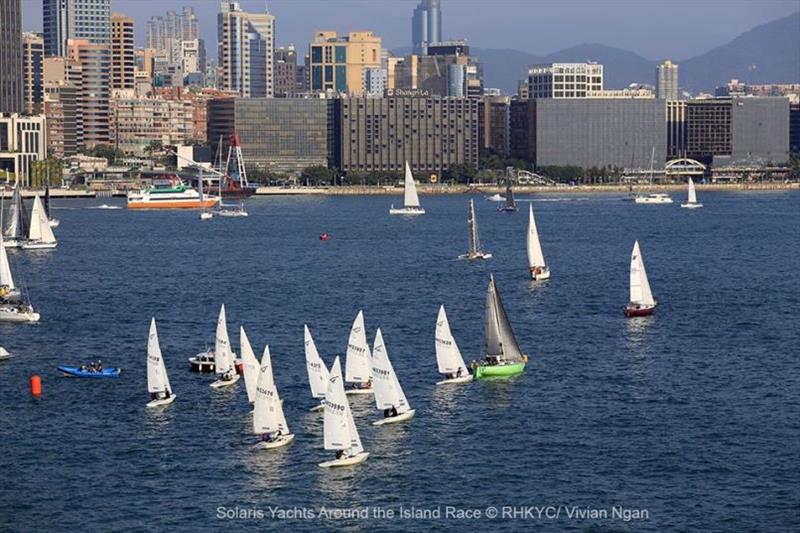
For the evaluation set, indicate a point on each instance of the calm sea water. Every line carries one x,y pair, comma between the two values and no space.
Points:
692,415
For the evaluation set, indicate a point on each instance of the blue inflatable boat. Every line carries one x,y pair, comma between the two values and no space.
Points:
75,371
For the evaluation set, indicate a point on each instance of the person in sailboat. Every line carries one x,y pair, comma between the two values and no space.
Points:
365,385
160,395
271,437
389,413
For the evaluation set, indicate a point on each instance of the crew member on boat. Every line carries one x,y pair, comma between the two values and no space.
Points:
271,437
391,412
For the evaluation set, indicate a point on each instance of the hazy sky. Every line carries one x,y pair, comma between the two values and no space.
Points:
655,29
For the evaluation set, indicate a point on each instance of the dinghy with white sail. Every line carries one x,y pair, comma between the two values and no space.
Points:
340,431
40,234
475,251
410,198
356,366
250,365
268,419
17,226
536,265
641,301
157,380
692,202
14,305
389,395
223,356
317,371
448,356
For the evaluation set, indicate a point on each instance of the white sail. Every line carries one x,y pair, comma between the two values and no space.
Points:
250,364
410,198
448,356
535,254
356,366
157,379
340,429
223,358
640,286
268,414
40,229
6,279
388,392
692,193
317,371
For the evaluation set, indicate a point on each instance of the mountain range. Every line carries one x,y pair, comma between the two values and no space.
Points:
769,53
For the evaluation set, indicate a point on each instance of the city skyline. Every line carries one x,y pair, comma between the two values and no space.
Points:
639,30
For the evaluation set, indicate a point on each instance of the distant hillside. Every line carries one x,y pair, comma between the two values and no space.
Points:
767,53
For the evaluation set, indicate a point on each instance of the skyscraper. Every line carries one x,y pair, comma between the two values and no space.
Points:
88,20
338,62
10,56
667,80
246,45
426,25
32,55
93,61
122,52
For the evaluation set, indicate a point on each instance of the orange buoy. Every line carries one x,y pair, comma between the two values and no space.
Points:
36,385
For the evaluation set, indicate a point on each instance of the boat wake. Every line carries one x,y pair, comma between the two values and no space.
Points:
105,206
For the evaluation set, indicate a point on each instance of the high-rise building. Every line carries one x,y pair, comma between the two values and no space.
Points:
446,70
122,52
375,81
337,63
426,25
163,30
564,80
246,46
493,129
136,122
285,69
62,88
10,56
88,20
32,56
22,142
667,80
93,61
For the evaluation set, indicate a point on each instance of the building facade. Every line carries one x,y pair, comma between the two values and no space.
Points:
88,20
276,134
122,52
426,25
564,80
375,81
62,96
198,99
22,141
93,63
676,129
337,64
11,99
794,128
32,74
137,122
246,47
667,81
432,133
286,75
495,126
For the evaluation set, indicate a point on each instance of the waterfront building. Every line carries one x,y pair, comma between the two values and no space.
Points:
246,46
667,81
432,133
32,75
137,122
628,92
198,99
276,134
337,63
11,98
794,128
676,129
286,74
494,126
87,20
22,141
521,127
122,52
564,80
62,92
426,25
93,63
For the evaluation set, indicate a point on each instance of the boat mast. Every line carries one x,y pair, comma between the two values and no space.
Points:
473,232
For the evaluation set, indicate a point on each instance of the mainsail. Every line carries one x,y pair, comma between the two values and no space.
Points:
268,414
535,254
40,229
410,198
6,279
250,365
692,193
223,358
339,428
18,222
388,392
510,204
357,362
448,356
640,286
472,224
499,337
157,380
317,372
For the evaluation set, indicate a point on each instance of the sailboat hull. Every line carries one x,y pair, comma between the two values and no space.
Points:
402,417
499,371
691,206
160,403
221,383
32,245
7,315
54,222
317,408
282,441
407,211
353,391
475,257
541,275
13,243
507,209
455,381
632,310
346,461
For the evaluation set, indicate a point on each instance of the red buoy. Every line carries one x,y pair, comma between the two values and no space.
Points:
36,385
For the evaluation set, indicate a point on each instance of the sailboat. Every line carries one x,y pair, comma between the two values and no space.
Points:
223,356
503,356
539,270
692,202
474,251
54,222
340,429
13,307
268,419
356,366
250,365
317,371
157,380
448,356
4,354
16,230
653,198
641,301
40,234
389,395
510,206
410,199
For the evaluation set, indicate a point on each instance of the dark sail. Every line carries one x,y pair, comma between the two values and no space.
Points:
499,337
510,204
